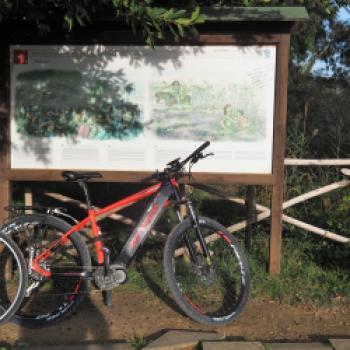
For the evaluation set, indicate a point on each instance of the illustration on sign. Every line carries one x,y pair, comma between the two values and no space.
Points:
183,110
93,105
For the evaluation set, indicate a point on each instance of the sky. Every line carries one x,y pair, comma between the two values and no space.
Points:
344,15
319,65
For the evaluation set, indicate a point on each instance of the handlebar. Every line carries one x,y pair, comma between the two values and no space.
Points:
176,165
195,153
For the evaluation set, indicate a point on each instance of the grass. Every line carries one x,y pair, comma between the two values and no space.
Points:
313,271
138,342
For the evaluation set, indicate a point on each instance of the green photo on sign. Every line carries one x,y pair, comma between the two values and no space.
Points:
94,105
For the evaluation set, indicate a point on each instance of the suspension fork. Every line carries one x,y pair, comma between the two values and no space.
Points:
188,241
200,237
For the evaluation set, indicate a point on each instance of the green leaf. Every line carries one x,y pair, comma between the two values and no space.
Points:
149,42
202,18
69,22
160,35
79,20
181,30
156,26
183,22
179,14
328,10
156,12
168,15
194,31
195,14
171,28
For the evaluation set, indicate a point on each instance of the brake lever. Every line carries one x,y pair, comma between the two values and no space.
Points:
201,156
207,155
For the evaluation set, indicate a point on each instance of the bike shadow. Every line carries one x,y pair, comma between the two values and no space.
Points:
158,289
87,325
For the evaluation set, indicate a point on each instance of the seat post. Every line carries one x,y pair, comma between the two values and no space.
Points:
83,185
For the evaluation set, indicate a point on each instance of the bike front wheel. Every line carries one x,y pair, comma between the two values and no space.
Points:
211,290
13,278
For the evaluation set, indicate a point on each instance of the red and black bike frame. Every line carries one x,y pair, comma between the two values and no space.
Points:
163,191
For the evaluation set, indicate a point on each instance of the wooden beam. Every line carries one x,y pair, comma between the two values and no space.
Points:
265,214
319,231
315,193
280,118
316,162
136,176
250,206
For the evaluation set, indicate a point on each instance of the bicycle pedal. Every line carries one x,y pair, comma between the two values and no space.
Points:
116,276
107,298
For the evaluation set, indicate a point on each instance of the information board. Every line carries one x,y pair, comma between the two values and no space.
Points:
136,108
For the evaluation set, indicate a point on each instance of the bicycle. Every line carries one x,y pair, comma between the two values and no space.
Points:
205,268
13,278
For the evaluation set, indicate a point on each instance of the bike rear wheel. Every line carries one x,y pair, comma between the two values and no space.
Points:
50,299
211,291
13,278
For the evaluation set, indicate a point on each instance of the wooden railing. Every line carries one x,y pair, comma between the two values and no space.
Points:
256,211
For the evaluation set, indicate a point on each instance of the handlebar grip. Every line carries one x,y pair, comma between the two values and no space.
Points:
199,149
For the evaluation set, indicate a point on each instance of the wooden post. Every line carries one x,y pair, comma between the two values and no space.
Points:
5,186
280,118
5,195
28,199
250,205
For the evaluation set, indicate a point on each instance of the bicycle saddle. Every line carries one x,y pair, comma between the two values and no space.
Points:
75,176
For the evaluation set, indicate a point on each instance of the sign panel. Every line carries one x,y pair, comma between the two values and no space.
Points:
135,108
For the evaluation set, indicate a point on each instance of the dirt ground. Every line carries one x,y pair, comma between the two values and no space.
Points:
144,314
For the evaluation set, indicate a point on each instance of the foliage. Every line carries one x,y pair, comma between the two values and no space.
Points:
313,270
319,38
324,37
317,116
144,15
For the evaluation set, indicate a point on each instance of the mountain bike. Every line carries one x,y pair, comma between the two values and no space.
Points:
205,268
13,278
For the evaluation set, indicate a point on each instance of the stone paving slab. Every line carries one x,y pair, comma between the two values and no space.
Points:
116,346
178,340
232,345
297,346
340,344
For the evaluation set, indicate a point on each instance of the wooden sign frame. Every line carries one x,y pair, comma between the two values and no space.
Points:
257,34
